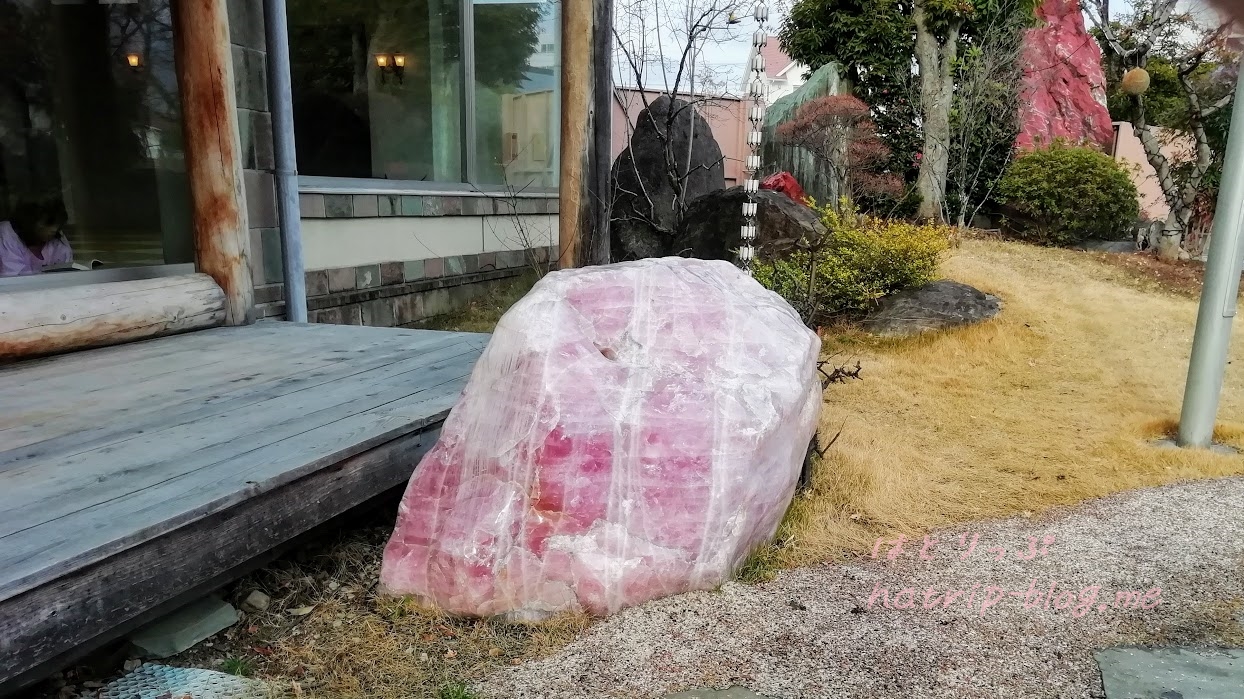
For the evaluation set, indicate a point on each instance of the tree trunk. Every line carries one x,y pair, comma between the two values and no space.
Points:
1170,239
935,60
1171,235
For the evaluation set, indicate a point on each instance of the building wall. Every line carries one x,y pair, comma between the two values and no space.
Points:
1129,151
375,259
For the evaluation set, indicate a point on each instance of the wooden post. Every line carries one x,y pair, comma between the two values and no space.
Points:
600,187
574,198
214,151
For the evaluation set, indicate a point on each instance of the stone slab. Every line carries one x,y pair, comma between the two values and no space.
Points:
1172,673
184,628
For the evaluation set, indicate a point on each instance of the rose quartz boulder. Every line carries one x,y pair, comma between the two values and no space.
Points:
631,431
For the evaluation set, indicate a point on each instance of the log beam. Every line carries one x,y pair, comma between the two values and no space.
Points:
214,152
48,321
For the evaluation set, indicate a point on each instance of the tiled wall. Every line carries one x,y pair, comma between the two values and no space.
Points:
403,293
250,82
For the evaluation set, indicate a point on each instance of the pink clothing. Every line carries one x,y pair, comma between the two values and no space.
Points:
16,259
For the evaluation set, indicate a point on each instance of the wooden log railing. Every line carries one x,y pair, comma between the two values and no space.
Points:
46,321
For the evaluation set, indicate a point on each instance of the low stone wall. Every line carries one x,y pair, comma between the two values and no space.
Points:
402,294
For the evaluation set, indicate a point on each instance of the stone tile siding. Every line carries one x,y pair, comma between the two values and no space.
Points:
386,205
402,294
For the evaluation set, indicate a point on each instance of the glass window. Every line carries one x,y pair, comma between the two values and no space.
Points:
516,93
378,90
92,171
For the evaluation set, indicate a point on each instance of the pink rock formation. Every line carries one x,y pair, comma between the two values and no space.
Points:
1064,88
631,431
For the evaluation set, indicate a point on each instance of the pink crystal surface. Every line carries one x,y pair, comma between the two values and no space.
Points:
1063,92
631,431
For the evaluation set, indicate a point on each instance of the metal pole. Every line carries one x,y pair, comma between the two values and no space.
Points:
281,102
1218,295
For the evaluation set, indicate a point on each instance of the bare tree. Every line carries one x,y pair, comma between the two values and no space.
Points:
1188,39
985,107
659,52
937,50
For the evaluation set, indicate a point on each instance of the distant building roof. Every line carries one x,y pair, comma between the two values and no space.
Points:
776,60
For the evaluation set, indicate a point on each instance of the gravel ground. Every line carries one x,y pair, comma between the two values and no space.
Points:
811,632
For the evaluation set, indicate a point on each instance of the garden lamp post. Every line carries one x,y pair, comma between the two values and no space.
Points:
1218,295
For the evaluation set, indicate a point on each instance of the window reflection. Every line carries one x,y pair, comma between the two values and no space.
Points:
516,92
90,137
359,114
378,90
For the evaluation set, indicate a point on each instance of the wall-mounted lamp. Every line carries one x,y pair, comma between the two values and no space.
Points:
133,60
394,63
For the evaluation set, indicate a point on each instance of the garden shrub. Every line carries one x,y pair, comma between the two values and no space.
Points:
1063,195
863,259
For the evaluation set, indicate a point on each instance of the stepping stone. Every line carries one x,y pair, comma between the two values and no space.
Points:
184,628
1171,673
732,693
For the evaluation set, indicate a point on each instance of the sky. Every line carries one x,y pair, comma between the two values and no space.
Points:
725,54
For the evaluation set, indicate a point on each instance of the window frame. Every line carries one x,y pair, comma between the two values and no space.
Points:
56,280
329,184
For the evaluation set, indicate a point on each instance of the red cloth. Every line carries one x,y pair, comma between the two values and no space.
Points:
785,183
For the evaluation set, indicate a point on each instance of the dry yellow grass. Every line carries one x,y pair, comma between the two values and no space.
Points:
1054,402
328,635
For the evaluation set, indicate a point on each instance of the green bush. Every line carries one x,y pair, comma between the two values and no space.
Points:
1064,194
863,259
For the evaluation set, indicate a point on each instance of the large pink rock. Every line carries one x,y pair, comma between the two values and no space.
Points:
631,431
1063,94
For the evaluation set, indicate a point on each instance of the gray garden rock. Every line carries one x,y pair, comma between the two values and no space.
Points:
1108,246
256,601
644,215
710,230
934,306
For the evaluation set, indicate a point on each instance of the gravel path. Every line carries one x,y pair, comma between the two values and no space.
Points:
811,632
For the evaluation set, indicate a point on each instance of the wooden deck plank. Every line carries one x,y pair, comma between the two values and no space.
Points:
87,536
91,427
29,378
84,609
175,462
50,377
193,359
35,492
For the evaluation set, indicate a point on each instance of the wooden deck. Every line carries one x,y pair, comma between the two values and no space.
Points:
133,478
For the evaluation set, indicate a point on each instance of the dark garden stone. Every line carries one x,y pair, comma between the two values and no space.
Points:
644,213
710,230
934,306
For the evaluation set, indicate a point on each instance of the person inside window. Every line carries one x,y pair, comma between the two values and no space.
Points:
31,239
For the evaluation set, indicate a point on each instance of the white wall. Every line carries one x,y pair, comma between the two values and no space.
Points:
348,242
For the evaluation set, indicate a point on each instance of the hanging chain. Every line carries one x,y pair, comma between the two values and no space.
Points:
756,119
